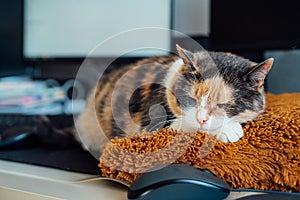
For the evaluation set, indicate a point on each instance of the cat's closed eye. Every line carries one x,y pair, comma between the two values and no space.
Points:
222,105
186,101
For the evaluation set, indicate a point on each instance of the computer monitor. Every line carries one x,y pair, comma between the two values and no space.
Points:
73,28
255,24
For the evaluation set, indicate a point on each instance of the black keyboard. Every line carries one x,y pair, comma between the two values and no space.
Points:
15,128
15,120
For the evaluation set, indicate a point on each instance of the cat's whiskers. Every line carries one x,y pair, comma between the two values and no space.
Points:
158,117
166,121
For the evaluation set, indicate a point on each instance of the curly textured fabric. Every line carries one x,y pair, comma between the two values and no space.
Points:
266,158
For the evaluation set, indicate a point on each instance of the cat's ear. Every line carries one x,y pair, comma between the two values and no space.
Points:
186,56
258,73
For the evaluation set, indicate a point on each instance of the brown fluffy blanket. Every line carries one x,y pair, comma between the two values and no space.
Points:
266,158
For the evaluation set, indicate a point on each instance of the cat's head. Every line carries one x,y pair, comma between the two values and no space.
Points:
212,88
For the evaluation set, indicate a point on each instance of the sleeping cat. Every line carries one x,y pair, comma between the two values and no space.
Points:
212,92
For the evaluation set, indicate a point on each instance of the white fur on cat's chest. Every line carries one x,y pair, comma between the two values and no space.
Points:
226,130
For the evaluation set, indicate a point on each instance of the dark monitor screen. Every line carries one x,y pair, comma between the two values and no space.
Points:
260,24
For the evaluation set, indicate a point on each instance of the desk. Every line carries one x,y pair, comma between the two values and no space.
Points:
23,182
20,181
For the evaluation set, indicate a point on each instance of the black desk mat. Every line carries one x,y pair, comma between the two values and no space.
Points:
72,158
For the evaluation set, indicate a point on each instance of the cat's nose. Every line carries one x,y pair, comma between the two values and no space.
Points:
202,121
202,117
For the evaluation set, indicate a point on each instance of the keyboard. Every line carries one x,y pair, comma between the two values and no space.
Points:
17,127
15,120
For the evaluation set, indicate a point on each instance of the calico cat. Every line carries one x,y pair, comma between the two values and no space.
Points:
212,92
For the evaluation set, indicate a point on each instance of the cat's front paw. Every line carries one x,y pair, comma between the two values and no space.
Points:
230,132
